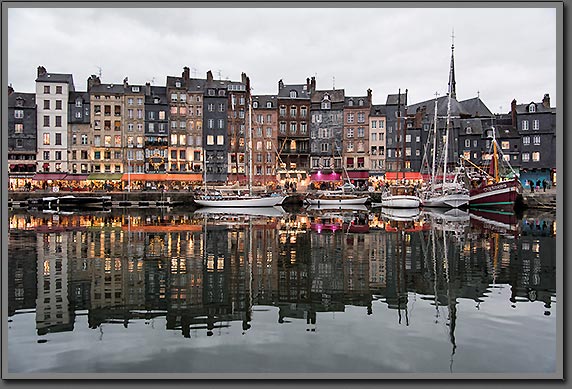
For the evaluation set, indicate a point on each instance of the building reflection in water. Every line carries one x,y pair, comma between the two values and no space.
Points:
203,272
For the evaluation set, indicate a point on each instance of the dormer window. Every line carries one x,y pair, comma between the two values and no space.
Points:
469,130
156,100
326,104
178,84
255,104
293,94
269,104
78,102
531,108
360,103
351,103
19,102
134,89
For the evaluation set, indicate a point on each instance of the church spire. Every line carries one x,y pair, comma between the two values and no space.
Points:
452,84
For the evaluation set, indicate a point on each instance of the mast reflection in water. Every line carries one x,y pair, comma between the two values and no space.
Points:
307,291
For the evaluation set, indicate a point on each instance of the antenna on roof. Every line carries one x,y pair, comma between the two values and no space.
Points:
219,72
333,82
153,81
478,94
194,72
99,71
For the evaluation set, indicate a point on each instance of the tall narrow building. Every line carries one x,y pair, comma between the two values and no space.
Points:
52,93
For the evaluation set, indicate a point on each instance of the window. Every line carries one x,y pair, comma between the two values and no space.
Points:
46,138
536,139
360,162
46,121
525,157
46,89
360,132
325,147
182,138
221,107
282,128
350,146
303,128
18,128
293,128
117,140
268,145
139,114
46,155
78,115
58,104
293,111
255,104
162,114
211,123
220,140
58,155
374,136
374,124
107,141
293,94
130,101
268,104
350,162
505,145
117,154
350,117
210,107
408,138
350,132
210,140
535,125
58,121
526,140
97,140
467,143
326,104
174,97
151,127
532,108
408,151
536,156
19,114
475,143
525,125
58,90
269,132
46,104
361,117
58,138
152,115
221,123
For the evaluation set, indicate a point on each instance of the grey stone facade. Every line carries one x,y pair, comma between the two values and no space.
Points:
22,133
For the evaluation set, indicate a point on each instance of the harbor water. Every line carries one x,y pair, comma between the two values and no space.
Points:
281,291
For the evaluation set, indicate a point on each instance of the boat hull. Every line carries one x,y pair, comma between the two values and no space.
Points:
245,211
401,214
453,200
400,201
499,195
270,201
334,201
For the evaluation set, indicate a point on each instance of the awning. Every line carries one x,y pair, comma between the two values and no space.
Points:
162,177
105,176
76,177
48,176
326,177
358,175
399,176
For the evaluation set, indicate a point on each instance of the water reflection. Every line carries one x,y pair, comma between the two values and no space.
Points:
205,270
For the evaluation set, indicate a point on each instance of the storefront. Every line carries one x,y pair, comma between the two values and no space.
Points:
325,181
104,181
48,181
299,178
166,181
407,178
359,178
537,176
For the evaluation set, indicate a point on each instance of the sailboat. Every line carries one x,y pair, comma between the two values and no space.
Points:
450,194
400,196
219,199
490,190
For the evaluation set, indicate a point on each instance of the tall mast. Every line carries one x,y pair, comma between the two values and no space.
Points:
404,129
451,92
398,121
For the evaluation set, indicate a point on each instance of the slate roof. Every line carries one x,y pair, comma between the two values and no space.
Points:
197,85
475,125
263,99
57,77
336,95
378,110
476,107
74,95
393,99
523,108
301,90
457,108
356,102
28,100
108,88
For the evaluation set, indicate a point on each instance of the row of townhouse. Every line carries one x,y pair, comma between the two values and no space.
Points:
201,126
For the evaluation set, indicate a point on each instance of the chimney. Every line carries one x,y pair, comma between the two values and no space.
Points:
369,96
546,101
186,75
147,89
313,84
308,84
10,90
41,71
280,85
209,76
125,82
93,80
243,78
513,112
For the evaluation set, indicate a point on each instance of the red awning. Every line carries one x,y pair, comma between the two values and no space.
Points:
76,177
357,175
162,177
48,176
400,176
326,177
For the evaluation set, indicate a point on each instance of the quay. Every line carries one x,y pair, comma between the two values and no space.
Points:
174,198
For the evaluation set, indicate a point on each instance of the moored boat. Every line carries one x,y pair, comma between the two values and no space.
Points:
336,198
400,197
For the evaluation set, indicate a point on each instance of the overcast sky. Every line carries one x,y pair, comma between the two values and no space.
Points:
503,54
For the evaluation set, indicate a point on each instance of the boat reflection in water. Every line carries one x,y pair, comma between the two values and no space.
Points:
215,274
